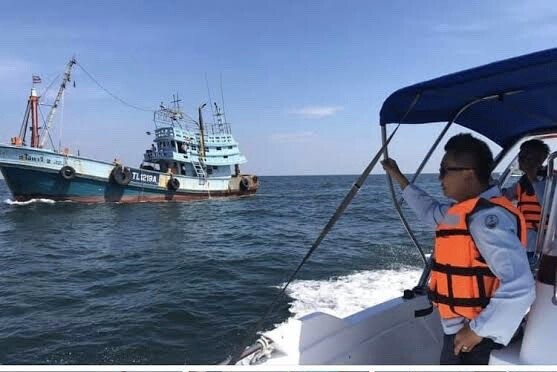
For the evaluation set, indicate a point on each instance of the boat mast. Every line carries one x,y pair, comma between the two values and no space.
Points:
30,111
65,80
201,132
34,107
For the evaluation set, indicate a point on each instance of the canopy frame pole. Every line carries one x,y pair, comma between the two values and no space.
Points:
390,182
397,204
428,155
546,211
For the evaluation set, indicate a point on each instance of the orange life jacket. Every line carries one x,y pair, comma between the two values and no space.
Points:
461,283
528,204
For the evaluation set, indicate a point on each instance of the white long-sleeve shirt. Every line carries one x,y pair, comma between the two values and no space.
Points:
503,253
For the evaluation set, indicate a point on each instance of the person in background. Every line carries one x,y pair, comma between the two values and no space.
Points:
480,278
529,189
183,148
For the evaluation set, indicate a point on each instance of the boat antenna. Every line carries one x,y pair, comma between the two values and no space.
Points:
65,80
222,99
339,211
209,95
176,101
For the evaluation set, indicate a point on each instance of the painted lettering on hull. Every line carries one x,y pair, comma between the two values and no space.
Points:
145,177
39,159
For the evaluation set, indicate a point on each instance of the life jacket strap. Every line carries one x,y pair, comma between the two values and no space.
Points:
451,232
461,271
521,203
457,301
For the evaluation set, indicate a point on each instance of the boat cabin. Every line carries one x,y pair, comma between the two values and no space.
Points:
191,148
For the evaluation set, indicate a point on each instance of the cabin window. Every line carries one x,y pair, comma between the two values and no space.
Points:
219,148
182,147
230,147
209,170
174,167
225,156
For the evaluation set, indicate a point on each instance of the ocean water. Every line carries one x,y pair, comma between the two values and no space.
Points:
179,283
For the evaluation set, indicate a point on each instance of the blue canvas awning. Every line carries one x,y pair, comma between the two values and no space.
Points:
527,86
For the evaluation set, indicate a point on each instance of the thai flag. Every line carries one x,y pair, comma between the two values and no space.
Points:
36,79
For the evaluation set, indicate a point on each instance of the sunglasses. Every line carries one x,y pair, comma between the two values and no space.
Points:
444,170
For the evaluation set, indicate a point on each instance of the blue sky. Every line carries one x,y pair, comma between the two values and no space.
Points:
303,81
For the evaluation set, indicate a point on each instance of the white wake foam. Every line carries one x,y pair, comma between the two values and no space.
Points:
345,295
32,201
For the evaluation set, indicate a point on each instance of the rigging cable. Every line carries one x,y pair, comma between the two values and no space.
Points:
122,101
44,123
45,91
61,124
112,94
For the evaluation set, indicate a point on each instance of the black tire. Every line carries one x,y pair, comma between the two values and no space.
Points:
121,175
244,184
173,184
67,172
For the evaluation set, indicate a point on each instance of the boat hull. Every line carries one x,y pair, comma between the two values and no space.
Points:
398,331
32,174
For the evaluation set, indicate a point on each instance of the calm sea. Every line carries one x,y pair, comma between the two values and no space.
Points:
185,283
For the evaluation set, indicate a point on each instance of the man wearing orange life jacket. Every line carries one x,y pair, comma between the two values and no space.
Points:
480,281
528,191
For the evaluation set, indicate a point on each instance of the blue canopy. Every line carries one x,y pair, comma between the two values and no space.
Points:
526,87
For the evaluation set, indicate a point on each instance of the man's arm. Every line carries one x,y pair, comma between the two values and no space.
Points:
427,208
494,232
391,167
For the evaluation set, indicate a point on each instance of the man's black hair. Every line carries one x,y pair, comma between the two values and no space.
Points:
472,152
537,146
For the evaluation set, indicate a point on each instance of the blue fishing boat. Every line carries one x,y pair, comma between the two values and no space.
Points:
188,160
